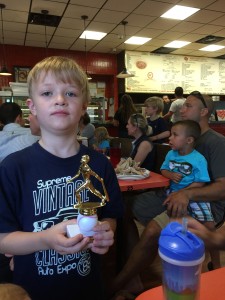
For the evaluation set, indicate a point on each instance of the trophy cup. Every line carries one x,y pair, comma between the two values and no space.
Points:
87,216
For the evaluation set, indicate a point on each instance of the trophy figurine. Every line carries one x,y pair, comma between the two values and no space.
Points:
87,216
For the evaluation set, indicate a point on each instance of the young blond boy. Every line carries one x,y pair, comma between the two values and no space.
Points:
37,200
160,130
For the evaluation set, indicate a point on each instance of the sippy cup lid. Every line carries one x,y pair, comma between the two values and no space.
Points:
179,246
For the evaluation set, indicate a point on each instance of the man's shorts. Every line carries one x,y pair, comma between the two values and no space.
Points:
200,211
162,220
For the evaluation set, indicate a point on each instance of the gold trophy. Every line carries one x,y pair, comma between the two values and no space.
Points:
87,217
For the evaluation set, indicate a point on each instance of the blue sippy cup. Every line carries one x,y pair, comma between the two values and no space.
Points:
182,254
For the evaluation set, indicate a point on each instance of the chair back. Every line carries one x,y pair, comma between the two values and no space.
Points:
124,143
160,153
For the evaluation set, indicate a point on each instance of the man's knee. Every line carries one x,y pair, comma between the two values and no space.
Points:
151,233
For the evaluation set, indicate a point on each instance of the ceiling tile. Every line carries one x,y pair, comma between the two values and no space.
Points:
143,17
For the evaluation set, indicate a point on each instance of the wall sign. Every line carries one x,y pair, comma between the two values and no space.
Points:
162,73
21,73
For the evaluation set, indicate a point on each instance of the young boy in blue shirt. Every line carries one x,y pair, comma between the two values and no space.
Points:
187,168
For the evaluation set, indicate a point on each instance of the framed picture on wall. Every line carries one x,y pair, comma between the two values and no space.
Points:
21,73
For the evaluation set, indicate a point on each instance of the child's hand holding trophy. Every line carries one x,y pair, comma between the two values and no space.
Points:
87,217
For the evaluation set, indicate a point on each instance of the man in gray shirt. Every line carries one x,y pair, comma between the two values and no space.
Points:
13,136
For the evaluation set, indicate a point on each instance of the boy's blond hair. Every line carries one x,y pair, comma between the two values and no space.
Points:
9,291
101,134
64,69
155,102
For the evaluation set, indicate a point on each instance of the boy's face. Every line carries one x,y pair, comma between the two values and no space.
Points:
178,139
57,105
150,110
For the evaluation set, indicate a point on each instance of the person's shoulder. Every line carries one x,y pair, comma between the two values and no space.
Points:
173,104
90,125
20,156
172,153
197,154
161,120
213,136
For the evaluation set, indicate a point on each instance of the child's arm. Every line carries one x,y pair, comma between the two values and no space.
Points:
22,243
160,136
173,176
176,177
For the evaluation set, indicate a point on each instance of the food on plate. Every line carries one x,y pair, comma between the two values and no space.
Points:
127,166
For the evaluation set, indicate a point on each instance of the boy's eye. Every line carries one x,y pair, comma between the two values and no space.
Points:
70,94
46,94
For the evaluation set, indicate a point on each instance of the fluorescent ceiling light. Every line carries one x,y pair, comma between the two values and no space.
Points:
137,40
177,44
212,48
179,12
93,35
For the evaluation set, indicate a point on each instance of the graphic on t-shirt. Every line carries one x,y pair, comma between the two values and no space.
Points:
63,214
55,199
182,167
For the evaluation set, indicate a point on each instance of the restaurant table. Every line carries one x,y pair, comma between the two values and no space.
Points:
155,180
212,287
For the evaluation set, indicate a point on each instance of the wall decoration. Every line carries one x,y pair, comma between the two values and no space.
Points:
162,73
21,73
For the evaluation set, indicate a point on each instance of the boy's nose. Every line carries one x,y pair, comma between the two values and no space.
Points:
60,99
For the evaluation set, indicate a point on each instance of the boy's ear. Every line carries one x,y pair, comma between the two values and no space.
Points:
31,106
190,140
84,109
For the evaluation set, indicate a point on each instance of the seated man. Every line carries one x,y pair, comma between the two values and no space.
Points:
13,136
212,145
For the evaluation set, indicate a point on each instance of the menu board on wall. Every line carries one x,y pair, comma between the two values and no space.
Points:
162,73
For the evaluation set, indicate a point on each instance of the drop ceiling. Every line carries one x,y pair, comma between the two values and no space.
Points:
143,17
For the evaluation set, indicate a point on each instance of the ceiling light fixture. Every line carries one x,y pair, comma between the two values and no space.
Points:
4,70
212,48
84,18
179,12
125,73
137,40
93,35
177,44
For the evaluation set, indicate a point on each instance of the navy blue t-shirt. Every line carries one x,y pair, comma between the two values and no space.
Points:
158,126
34,196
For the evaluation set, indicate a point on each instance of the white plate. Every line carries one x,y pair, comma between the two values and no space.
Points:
133,176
